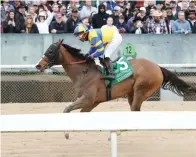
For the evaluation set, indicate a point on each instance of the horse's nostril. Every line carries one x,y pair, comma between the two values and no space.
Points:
38,66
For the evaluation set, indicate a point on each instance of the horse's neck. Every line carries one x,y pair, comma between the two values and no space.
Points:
76,71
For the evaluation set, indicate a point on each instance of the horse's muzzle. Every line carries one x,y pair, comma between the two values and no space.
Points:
39,67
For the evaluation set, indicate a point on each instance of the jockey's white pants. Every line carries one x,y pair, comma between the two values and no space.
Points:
113,47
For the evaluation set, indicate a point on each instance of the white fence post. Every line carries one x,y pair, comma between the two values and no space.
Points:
113,138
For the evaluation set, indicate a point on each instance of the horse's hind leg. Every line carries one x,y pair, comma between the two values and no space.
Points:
130,99
137,101
140,88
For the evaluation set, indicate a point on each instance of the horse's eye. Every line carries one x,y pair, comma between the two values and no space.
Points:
49,51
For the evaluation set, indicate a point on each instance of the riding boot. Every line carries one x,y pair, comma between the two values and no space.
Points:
109,66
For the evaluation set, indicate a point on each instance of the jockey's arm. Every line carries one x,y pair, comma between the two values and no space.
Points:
97,48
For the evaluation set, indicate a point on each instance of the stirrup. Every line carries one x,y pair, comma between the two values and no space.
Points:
109,76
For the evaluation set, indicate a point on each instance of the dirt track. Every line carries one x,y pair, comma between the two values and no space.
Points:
130,144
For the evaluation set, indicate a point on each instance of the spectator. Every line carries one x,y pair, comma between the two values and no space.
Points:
138,26
30,26
87,9
20,18
181,25
130,21
142,15
110,5
17,5
109,12
192,6
182,4
175,8
167,21
55,8
73,20
99,19
157,25
32,2
127,12
5,9
121,25
10,24
192,20
117,13
36,9
184,7
120,3
110,21
41,8
170,15
58,26
45,3
56,2
149,7
167,4
109,24
150,16
63,12
159,5
31,11
71,5
43,22
85,21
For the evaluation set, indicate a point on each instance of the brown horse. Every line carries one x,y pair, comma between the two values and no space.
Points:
91,89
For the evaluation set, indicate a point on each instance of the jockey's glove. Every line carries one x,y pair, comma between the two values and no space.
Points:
88,57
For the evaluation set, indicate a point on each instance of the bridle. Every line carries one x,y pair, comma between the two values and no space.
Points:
52,55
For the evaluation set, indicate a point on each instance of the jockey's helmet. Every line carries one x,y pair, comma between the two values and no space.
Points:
81,31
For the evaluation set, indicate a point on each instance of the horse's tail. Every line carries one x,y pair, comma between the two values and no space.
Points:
175,84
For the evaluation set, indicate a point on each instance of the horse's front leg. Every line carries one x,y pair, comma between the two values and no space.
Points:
85,101
78,104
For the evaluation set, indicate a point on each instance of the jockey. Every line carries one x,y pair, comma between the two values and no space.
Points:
104,42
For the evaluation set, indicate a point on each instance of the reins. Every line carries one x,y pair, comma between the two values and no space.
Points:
77,62
74,62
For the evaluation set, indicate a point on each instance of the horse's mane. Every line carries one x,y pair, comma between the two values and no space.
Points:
74,51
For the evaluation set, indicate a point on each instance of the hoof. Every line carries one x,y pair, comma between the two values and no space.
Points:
67,136
66,111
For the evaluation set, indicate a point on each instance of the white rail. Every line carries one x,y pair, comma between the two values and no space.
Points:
100,121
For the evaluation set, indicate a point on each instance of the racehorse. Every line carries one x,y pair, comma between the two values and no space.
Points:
90,88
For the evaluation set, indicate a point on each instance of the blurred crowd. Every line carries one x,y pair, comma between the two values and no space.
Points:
137,17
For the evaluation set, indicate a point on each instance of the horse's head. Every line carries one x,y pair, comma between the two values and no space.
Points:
51,56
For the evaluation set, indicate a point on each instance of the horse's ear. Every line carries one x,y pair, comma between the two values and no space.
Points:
61,41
